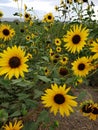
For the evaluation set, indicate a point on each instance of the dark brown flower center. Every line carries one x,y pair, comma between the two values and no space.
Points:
26,15
49,17
14,62
85,0
59,99
76,39
95,110
63,71
87,108
81,66
64,59
6,32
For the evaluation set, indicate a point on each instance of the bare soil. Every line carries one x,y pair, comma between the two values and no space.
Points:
76,121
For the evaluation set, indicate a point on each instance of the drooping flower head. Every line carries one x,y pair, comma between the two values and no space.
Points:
12,62
58,99
76,38
89,109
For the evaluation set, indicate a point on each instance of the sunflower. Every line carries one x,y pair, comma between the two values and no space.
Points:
86,107
58,49
94,114
1,14
94,49
63,71
64,60
81,66
75,38
16,126
28,37
6,32
48,18
27,17
57,42
12,62
58,99
46,71
90,109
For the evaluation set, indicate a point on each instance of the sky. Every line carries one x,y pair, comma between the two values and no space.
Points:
40,7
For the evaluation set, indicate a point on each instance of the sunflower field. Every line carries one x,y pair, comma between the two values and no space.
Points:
43,62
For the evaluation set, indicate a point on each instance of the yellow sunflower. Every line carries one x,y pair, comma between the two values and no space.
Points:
47,71
59,100
6,32
58,49
27,17
16,126
63,60
94,48
76,38
57,42
94,114
1,14
81,66
63,71
48,18
86,107
12,62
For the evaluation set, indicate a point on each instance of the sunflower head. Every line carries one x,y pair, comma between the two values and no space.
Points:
57,42
6,32
59,100
18,125
94,113
27,17
82,66
86,107
49,18
63,71
76,38
13,62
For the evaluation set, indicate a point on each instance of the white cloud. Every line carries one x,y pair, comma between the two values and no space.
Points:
40,6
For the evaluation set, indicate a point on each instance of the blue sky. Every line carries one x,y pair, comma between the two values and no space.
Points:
9,7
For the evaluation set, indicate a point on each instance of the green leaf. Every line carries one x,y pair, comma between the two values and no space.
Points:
43,78
15,114
43,117
30,126
3,115
22,96
82,95
37,93
45,58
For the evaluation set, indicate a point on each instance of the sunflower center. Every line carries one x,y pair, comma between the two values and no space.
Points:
76,39
81,66
6,32
59,99
49,17
14,62
95,110
63,71
87,108
26,15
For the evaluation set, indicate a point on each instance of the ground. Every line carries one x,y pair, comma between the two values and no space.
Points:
76,121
